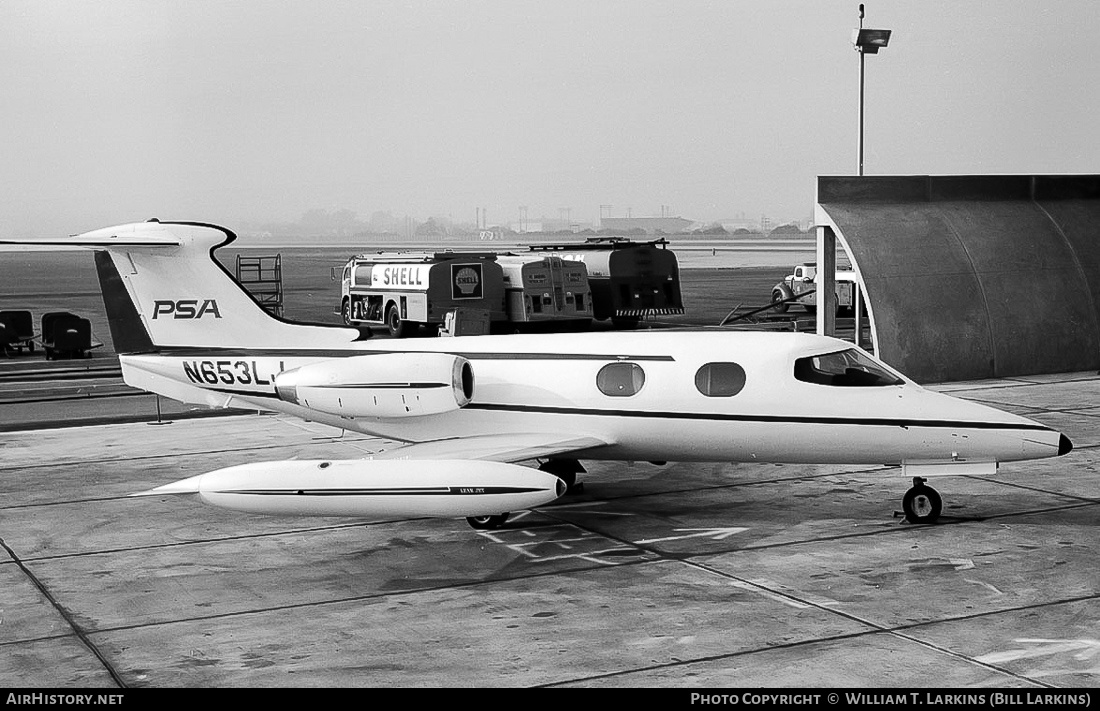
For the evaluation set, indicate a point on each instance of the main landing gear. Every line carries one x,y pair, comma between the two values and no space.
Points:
922,503
564,469
487,523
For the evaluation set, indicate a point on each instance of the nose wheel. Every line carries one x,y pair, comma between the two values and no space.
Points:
922,503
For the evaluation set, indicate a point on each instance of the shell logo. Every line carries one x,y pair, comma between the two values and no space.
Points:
466,280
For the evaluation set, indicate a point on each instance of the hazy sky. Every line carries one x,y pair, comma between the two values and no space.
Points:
245,111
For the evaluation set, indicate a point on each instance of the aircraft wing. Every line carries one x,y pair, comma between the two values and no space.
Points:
508,448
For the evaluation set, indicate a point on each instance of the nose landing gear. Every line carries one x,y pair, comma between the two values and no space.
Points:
922,503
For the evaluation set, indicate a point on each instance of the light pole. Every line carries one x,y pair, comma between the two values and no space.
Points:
866,41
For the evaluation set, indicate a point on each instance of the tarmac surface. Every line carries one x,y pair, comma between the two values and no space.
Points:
684,575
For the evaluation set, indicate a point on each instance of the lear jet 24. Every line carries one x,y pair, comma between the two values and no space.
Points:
469,409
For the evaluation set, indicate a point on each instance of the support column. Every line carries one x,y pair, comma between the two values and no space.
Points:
857,311
826,281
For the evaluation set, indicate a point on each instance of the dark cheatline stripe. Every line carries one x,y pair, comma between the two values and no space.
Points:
700,416
364,386
402,491
771,419
383,386
242,393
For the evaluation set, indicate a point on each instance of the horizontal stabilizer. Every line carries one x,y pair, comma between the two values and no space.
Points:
97,240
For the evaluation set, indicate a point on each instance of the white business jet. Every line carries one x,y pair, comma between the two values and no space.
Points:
471,408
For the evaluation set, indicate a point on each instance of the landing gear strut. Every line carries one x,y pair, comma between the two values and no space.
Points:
487,523
922,503
566,470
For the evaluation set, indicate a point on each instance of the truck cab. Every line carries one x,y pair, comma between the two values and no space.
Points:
406,290
802,283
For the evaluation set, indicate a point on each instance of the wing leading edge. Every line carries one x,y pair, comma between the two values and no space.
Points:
508,448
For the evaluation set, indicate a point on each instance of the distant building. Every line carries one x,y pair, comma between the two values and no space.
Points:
546,225
526,226
740,223
649,225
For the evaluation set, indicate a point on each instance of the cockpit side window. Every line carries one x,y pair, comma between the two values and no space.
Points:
620,379
848,368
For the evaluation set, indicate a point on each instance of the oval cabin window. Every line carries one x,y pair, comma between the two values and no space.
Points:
720,379
620,379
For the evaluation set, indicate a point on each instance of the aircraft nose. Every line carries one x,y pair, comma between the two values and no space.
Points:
1064,446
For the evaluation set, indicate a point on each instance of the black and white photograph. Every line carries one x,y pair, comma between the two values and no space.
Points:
747,351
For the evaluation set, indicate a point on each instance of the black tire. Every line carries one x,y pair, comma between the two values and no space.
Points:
487,523
777,296
567,471
922,504
398,328
345,312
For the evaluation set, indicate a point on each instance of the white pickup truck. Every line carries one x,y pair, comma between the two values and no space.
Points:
803,284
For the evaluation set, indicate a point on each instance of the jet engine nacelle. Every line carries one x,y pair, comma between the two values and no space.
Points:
372,488
383,385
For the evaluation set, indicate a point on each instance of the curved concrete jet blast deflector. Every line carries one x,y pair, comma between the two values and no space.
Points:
970,277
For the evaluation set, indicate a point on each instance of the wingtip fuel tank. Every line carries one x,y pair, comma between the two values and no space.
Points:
372,488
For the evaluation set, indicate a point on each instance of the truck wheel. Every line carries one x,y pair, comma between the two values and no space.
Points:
398,328
345,311
777,296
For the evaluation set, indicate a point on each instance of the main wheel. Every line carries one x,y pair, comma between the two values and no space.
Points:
398,327
921,504
487,523
777,296
345,312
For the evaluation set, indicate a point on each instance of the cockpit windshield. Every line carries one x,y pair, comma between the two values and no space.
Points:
849,368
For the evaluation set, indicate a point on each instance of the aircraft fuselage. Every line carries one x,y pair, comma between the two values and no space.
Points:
649,404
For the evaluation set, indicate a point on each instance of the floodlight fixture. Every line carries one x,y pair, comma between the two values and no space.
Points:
866,41
870,41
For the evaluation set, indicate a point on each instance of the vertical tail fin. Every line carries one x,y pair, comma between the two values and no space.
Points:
163,288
